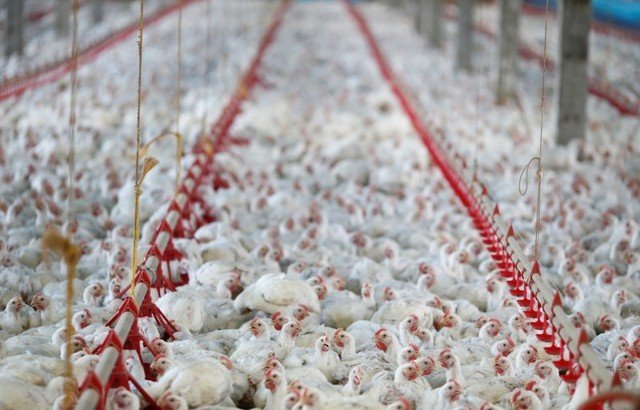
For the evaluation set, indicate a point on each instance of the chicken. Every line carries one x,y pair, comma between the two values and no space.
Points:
12,319
185,307
341,309
442,398
16,394
275,291
526,399
204,381
251,353
276,384
122,399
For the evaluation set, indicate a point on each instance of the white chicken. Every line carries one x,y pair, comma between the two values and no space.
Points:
205,381
274,292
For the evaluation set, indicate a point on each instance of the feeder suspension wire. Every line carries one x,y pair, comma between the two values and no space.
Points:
69,386
536,249
72,111
136,227
178,84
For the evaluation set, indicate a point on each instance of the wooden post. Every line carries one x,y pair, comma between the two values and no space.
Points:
509,39
575,21
14,27
435,23
63,12
97,10
465,34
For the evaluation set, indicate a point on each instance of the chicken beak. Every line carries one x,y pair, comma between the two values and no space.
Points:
34,303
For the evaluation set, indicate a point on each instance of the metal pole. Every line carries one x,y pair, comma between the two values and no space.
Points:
435,23
63,11
15,27
97,10
465,34
575,21
509,38
417,18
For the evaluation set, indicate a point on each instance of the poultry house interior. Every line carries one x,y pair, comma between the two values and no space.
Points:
319,204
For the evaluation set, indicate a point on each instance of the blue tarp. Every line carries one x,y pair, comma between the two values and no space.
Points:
623,13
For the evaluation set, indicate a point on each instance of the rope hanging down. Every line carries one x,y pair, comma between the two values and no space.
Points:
52,239
538,159
72,111
148,163
207,70
178,94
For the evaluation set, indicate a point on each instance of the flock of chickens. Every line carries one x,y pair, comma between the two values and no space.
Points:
340,272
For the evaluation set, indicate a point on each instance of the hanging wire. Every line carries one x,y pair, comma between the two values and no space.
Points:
53,239
178,94
72,112
137,190
208,63
538,159
224,67
477,107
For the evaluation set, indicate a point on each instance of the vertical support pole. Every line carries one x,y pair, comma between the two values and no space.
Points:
423,16
97,10
14,27
435,23
509,39
575,21
63,12
407,7
465,34
418,22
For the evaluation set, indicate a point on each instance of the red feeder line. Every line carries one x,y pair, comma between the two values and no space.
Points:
527,285
110,371
16,86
